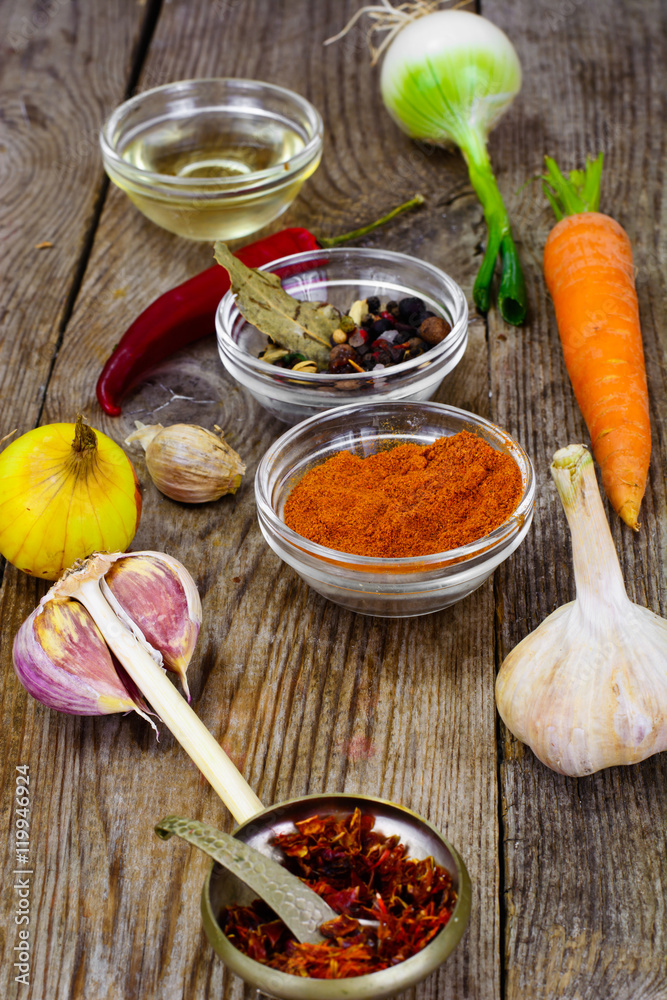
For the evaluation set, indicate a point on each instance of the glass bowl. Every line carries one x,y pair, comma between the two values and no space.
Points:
388,587
422,839
340,276
214,158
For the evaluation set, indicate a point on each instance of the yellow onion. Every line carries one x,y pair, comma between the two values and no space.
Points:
65,491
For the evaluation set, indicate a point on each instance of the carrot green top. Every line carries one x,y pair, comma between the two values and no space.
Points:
578,192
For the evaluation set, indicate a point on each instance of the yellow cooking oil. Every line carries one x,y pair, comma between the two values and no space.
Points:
200,148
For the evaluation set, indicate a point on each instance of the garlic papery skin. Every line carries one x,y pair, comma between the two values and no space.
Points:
158,596
588,688
83,585
188,463
62,660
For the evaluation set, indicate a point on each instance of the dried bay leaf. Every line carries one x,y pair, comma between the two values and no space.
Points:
303,327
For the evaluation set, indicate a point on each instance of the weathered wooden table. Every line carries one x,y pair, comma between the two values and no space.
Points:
569,875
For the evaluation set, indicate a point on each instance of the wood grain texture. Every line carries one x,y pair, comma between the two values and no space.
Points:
303,695
62,70
63,67
585,860
568,875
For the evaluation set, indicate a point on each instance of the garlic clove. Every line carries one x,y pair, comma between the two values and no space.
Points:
189,463
61,658
158,596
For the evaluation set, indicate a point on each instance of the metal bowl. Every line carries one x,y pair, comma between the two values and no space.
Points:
422,840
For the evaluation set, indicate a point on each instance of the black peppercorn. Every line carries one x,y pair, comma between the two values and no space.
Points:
408,306
379,326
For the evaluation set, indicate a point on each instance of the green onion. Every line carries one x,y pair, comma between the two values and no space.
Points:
448,76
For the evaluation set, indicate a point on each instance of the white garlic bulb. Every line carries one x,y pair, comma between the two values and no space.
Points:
188,463
588,688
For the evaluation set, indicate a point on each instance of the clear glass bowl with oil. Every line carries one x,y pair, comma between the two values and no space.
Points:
215,158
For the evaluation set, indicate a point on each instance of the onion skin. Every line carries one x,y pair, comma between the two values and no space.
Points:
62,660
65,491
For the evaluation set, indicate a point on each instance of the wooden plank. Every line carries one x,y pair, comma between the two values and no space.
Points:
62,72
585,864
304,696
63,69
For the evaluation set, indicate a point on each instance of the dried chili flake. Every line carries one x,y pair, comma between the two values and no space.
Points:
362,875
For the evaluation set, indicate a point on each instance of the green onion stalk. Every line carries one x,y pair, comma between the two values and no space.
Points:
448,76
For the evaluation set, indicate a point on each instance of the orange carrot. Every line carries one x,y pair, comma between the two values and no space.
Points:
589,272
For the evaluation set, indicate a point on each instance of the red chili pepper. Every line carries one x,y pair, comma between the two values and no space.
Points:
187,313
182,315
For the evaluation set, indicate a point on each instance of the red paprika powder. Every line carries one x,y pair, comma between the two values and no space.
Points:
410,500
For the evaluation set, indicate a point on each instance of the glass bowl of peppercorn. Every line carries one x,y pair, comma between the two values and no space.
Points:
401,326
395,509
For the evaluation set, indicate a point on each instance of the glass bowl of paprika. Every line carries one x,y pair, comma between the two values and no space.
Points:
342,276
439,496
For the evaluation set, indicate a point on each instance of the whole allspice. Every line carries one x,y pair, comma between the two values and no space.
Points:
434,329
